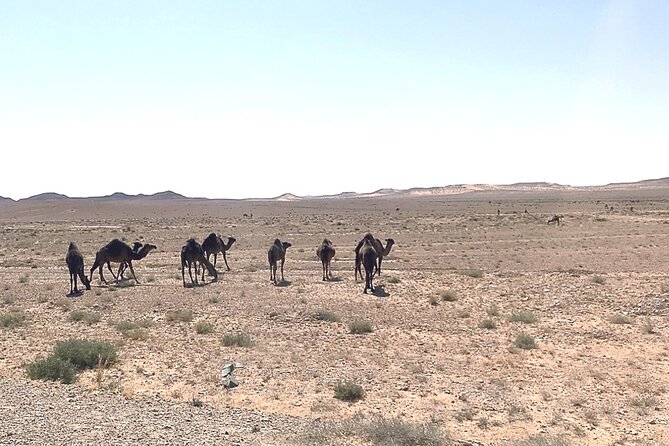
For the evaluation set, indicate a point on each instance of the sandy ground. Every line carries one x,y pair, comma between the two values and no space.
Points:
597,285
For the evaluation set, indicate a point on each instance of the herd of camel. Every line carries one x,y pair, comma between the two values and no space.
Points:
369,253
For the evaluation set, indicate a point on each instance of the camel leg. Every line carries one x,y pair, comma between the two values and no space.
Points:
282,279
121,269
378,268
102,277
110,270
190,272
203,268
225,259
324,274
215,257
132,270
71,283
183,273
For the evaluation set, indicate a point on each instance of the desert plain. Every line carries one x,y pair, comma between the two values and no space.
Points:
488,326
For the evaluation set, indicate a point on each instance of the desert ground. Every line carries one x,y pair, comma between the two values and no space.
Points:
471,281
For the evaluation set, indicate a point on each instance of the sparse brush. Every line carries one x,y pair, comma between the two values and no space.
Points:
84,316
325,315
136,334
526,317
85,354
8,300
493,310
179,316
52,368
434,301
23,278
488,324
525,341
394,279
449,296
12,319
203,327
348,391
238,339
599,280
360,327
463,314
648,327
542,440
621,319
475,273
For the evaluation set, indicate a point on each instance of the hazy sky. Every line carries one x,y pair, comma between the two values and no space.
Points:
255,98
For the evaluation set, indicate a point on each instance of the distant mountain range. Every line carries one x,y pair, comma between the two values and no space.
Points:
381,193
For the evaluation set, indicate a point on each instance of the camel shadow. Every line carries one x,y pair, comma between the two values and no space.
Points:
379,291
334,279
198,285
75,294
284,283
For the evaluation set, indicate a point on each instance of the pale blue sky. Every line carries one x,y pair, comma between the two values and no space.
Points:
256,98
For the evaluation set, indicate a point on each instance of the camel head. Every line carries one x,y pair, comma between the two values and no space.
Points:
87,282
231,240
286,245
144,251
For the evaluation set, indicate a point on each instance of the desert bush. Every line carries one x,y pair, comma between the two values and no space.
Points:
12,319
599,280
526,317
203,327
434,301
525,341
85,354
52,368
542,440
84,316
8,300
621,319
493,310
23,278
488,324
378,431
449,296
179,316
463,314
348,391
475,273
325,315
648,327
393,279
136,334
238,339
360,327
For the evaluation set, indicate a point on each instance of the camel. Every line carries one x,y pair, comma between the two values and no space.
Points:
275,253
123,266
380,250
555,219
368,255
75,263
118,252
191,254
326,252
213,244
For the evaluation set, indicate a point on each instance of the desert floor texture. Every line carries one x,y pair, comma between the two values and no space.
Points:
441,365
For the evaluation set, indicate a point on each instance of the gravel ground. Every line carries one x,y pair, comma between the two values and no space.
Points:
45,413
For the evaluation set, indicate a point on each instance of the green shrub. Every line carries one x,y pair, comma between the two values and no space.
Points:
238,339
526,317
179,316
525,341
360,327
488,324
12,319
85,354
621,319
348,391
325,315
84,316
449,296
52,369
475,273
203,327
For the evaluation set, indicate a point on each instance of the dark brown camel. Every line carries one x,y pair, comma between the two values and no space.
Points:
75,263
192,254
380,251
326,253
214,244
123,266
118,252
368,256
276,253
